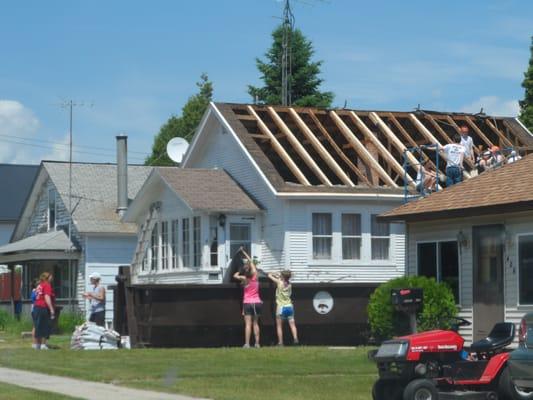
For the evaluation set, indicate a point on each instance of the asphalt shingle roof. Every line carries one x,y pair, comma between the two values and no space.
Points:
208,189
94,194
505,189
16,182
49,241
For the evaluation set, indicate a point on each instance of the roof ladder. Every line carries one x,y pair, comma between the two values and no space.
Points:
144,237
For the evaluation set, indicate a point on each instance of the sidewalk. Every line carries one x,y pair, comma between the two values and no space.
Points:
81,389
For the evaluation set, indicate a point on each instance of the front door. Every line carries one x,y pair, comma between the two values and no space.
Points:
487,250
240,233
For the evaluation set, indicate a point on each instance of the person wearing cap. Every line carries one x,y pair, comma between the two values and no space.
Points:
97,299
513,157
467,142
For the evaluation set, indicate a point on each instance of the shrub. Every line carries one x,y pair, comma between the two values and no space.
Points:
438,308
5,317
11,325
68,321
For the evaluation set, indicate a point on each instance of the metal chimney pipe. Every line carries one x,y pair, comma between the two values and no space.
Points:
122,174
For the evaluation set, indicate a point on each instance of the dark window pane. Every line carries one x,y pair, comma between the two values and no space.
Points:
427,259
525,261
379,228
449,264
351,224
322,248
380,249
321,224
351,248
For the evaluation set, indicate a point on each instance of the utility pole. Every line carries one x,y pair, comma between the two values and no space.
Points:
286,57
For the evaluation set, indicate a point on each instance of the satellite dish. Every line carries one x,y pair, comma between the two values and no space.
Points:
176,148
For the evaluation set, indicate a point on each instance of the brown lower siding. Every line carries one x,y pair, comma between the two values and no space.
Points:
211,315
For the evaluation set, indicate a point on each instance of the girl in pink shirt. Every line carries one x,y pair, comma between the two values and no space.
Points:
252,303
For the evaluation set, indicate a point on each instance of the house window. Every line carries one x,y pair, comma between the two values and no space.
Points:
380,232
51,209
322,236
154,244
240,236
351,236
440,260
185,242
525,263
213,241
164,245
196,242
175,244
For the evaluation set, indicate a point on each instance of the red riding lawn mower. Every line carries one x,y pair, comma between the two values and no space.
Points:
435,365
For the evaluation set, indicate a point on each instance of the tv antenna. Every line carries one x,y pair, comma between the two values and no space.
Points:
70,104
176,149
286,56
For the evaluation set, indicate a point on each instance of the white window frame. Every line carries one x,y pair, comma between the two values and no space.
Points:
388,237
175,244
186,242
196,241
164,251
155,232
439,267
51,191
360,237
517,252
330,236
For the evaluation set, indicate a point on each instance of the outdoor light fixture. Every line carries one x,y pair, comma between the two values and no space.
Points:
462,239
222,220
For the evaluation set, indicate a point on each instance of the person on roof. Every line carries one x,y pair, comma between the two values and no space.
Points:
426,178
485,161
497,156
454,154
467,142
513,157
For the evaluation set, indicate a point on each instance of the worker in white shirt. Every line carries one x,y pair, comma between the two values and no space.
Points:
467,142
454,154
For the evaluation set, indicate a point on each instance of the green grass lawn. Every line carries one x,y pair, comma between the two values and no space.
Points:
295,373
10,392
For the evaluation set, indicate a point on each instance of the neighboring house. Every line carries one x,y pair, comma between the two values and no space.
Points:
478,237
99,241
317,179
16,181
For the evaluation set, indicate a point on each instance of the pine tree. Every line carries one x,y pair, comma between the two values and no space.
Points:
183,126
526,105
304,81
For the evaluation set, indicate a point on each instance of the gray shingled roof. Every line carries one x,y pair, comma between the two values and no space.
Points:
208,189
49,241
94,194
16,182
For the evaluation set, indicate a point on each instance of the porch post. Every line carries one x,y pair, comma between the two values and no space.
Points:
11,268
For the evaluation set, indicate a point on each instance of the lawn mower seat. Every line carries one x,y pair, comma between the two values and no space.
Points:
500,336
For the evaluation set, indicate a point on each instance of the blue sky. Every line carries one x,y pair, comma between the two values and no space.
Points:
134,63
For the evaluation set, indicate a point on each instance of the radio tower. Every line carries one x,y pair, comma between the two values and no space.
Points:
286,57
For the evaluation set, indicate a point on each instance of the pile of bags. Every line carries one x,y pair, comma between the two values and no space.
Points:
90,336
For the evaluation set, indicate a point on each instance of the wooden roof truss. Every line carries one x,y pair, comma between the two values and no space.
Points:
313,147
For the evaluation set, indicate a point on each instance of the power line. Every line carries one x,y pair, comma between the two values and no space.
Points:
67,145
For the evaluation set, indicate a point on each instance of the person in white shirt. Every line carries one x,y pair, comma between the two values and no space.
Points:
454,154
513,157
467,142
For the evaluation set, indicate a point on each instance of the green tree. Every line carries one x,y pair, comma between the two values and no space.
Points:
304,80
183,126
526,105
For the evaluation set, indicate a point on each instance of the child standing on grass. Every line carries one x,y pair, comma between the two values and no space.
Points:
252,303
284,307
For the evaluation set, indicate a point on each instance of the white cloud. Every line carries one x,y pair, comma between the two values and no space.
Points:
493,105
60,150
16,124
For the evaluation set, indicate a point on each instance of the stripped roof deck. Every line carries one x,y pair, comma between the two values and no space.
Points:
317,150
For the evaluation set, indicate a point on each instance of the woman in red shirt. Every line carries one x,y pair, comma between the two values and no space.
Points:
43,310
